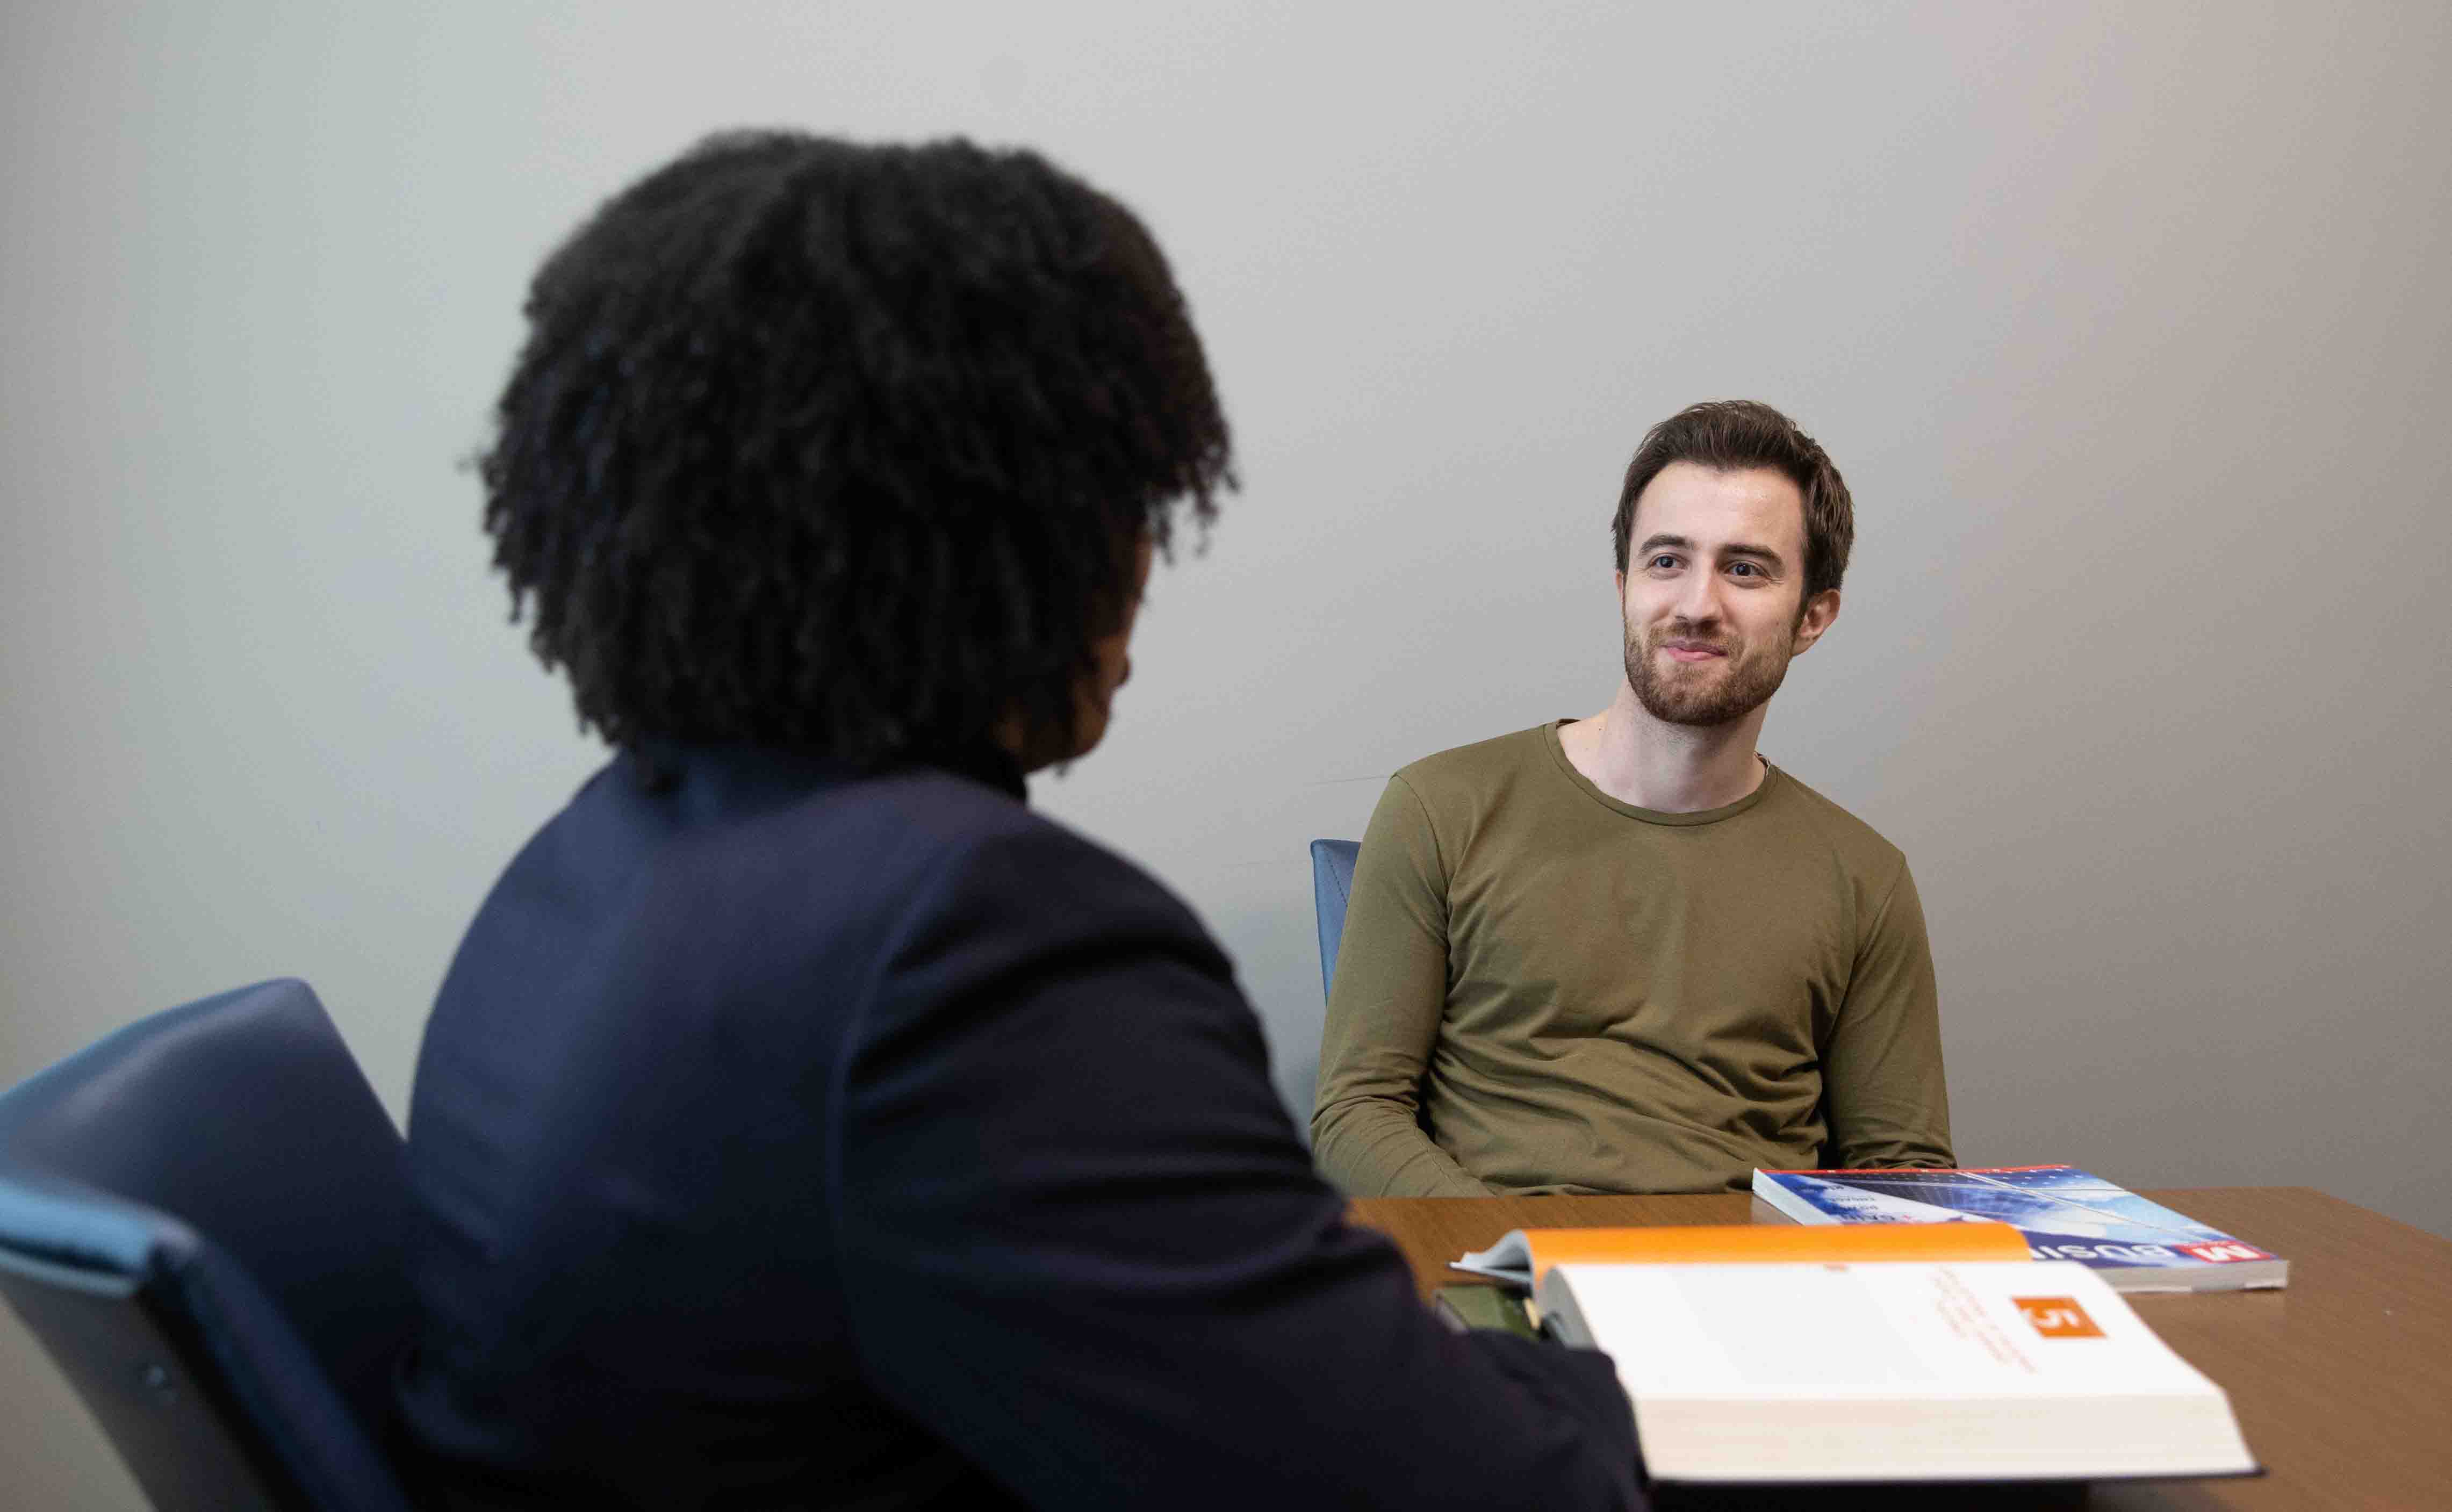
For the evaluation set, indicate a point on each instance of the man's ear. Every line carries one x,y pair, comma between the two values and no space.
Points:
1621,587
1819,610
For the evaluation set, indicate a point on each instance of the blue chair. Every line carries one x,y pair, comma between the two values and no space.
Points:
203,1218
1332,883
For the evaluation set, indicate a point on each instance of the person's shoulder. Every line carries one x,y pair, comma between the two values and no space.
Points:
1856,844
987,864
1467,771
943,812
747,833
751,820
911,873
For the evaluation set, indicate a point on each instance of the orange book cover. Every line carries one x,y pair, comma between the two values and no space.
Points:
1526,1254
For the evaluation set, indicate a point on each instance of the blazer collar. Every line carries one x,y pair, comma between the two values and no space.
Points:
659,766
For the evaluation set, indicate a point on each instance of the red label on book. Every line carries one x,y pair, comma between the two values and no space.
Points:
2058,1317
2222,1253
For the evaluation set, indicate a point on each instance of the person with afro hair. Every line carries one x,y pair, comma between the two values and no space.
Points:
803,1121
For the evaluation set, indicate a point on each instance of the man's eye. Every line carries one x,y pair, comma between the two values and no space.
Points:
1745,569
1663,563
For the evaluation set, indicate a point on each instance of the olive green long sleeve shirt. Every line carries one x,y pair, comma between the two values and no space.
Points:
1542,989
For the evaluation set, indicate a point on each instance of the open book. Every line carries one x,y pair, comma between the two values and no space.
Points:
1743,1374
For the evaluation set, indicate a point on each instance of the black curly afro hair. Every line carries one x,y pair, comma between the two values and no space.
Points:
845,449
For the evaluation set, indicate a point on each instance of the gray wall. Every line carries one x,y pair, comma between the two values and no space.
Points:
2128,325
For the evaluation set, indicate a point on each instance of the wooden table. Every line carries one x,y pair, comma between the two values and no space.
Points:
2342,1382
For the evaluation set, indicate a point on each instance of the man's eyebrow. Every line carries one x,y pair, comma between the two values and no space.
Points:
1747,548
1652,543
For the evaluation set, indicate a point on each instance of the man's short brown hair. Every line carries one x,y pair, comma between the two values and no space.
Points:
1732,435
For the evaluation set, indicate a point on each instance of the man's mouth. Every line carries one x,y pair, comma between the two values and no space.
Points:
1681,650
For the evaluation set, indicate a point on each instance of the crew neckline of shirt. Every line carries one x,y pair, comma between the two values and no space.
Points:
1558,755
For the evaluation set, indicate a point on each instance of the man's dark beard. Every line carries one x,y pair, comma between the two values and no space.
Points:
1747,677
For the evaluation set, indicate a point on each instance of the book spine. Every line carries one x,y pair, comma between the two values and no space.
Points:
1768,1188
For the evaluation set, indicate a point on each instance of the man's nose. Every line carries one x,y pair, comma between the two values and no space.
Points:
1699,598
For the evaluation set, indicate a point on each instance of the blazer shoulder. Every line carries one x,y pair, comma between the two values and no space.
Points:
985,864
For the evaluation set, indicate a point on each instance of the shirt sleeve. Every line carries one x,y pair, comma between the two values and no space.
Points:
1384,1011
1889,1101
1081,1244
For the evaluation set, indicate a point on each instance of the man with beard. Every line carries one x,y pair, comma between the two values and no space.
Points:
1625,954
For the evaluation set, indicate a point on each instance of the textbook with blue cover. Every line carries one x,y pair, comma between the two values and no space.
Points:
2064,1212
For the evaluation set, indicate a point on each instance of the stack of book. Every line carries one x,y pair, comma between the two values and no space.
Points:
1899,1336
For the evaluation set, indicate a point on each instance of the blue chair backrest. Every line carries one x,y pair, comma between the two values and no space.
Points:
203,1218
1332,883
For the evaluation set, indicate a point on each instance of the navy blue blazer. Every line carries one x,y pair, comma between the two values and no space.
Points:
788,1138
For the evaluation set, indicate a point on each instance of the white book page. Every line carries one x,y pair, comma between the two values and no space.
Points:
1835,1330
